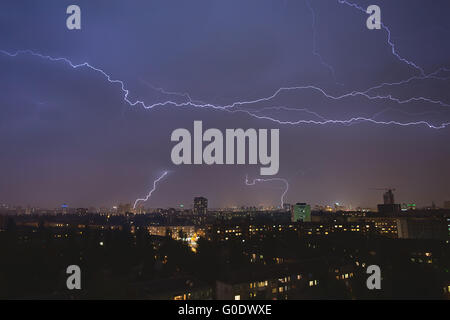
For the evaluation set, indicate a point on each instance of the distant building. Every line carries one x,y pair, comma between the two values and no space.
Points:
448,228
446,204
408,206
388,197
301,211
139,209
275,282
188,233
338,207
81,211
174,289
200,205
389,206
287,207
124,208
422,228
64,208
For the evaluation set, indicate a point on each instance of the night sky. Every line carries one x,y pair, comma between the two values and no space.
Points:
68,136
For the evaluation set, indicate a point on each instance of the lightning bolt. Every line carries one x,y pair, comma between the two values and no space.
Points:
234,106
286,183
283,108
432,75
314,37
365,93
347,122
237,107
184,95
389,38
342,96
151,191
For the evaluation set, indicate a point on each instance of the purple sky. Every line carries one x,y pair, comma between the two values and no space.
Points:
68,136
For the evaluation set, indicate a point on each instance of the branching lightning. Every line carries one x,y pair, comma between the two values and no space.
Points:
253,109
289,109
183,95
286,183
151,191
315,52
234,106
238,106
389,38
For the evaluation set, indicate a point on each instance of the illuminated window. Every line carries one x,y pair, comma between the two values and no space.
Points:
237,297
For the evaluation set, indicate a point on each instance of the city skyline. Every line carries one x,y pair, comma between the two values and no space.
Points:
200,204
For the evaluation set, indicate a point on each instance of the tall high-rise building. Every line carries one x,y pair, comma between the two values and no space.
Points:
200,205
389,206
388,197
301,211
64,208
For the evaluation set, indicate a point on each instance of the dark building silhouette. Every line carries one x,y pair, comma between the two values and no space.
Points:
446,204
388,197
423,228
287,207
200,205
389,206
